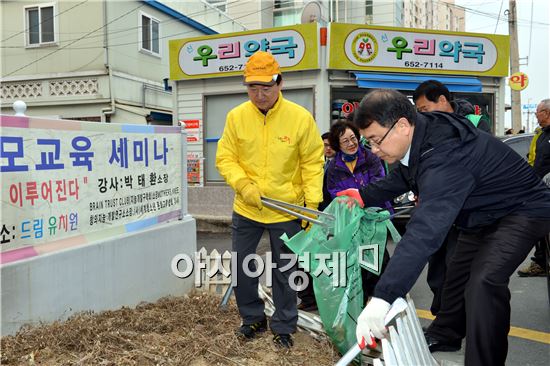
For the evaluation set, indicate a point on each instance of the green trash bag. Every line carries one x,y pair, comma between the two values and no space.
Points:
334,256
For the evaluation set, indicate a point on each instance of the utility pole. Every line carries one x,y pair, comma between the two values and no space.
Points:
514,64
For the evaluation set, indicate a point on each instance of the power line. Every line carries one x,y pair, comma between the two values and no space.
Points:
499,12
122,44
87,36
49,19
164,37
63,47
102,35
530,33
111,33
492,15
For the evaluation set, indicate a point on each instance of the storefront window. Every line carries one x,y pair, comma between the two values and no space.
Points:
345,100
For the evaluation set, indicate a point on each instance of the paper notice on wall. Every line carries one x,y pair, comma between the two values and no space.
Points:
192,128
194,168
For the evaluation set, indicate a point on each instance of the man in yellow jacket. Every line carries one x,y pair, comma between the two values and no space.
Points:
270,147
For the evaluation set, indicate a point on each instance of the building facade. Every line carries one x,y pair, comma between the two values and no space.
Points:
95,61
423,14
434,14
328,74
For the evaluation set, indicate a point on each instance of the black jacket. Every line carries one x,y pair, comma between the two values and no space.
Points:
327,198
463,108
460,175
542,153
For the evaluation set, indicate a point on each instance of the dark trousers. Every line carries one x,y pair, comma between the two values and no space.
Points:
437,267
307,295
476,300
246,235
539,257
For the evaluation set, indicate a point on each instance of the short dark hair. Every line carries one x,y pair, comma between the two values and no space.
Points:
431,89
325,136
337,130
384,106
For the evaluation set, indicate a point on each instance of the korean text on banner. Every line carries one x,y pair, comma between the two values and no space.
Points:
359,47
295,48
63,180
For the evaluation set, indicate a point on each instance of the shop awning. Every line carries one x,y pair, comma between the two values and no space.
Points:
411,82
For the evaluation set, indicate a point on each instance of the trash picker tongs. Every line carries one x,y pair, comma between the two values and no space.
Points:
291,209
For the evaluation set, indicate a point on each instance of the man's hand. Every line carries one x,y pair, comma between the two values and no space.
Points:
250,193
352,193
371,322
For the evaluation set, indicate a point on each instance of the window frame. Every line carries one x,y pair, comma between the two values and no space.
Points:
40,43
140,35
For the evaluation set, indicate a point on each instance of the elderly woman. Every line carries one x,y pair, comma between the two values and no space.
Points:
353,166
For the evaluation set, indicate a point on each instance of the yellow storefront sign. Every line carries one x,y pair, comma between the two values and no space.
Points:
518,81
366,48
294,47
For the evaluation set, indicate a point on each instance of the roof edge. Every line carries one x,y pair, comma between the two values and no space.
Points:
176,14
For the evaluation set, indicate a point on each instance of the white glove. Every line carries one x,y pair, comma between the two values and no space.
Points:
371,321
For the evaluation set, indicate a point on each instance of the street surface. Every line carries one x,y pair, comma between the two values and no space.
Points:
529,340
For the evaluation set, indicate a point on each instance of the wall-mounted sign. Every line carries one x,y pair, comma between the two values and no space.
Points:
518,81
192,128
358,47
67,183
194,171
294,47
191,123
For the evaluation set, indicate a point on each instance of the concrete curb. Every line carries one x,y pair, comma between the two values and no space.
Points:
213,224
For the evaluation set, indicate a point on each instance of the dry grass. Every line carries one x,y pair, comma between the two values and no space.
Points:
188,330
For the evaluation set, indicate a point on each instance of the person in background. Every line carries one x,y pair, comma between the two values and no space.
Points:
432,95
270,147
533,146
354,166
499,203
329,154
541,166
307,295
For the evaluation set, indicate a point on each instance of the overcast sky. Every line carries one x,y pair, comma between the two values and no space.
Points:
482,17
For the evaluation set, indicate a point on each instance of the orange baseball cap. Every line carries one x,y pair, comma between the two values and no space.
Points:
261,68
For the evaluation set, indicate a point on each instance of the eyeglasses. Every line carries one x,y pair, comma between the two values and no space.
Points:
346,142
379,142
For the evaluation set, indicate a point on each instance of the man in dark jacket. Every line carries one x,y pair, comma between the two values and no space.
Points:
432,96
462,176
